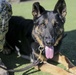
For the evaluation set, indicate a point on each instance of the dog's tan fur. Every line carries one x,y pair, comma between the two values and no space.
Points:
52,69
66,62
57,41
36,32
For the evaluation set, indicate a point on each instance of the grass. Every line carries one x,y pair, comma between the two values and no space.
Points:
68,47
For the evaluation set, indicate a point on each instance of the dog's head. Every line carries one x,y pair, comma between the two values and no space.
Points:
48,25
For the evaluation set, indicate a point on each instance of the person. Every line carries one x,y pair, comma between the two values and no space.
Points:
5,15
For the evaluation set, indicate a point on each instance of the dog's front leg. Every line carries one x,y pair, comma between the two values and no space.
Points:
66,62
52,69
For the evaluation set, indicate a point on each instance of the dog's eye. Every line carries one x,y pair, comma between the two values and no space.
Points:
43,25
55,24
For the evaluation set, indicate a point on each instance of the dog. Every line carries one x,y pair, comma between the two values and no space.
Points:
44,33
54,22
20,32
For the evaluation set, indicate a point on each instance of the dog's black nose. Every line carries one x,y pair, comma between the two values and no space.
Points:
49,42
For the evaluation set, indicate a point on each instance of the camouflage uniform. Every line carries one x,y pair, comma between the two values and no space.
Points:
5,15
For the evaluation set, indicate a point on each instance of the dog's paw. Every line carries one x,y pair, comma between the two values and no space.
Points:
6,51
73,70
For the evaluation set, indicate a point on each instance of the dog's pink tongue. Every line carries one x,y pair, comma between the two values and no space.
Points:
49,52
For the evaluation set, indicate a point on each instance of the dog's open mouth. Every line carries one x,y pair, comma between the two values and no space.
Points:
49,52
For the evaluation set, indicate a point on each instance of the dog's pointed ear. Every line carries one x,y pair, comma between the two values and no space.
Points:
60,8
37,10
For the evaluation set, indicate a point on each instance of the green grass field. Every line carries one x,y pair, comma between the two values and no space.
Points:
68,46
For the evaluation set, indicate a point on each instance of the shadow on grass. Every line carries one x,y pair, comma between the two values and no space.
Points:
68,48
12,61
32,72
